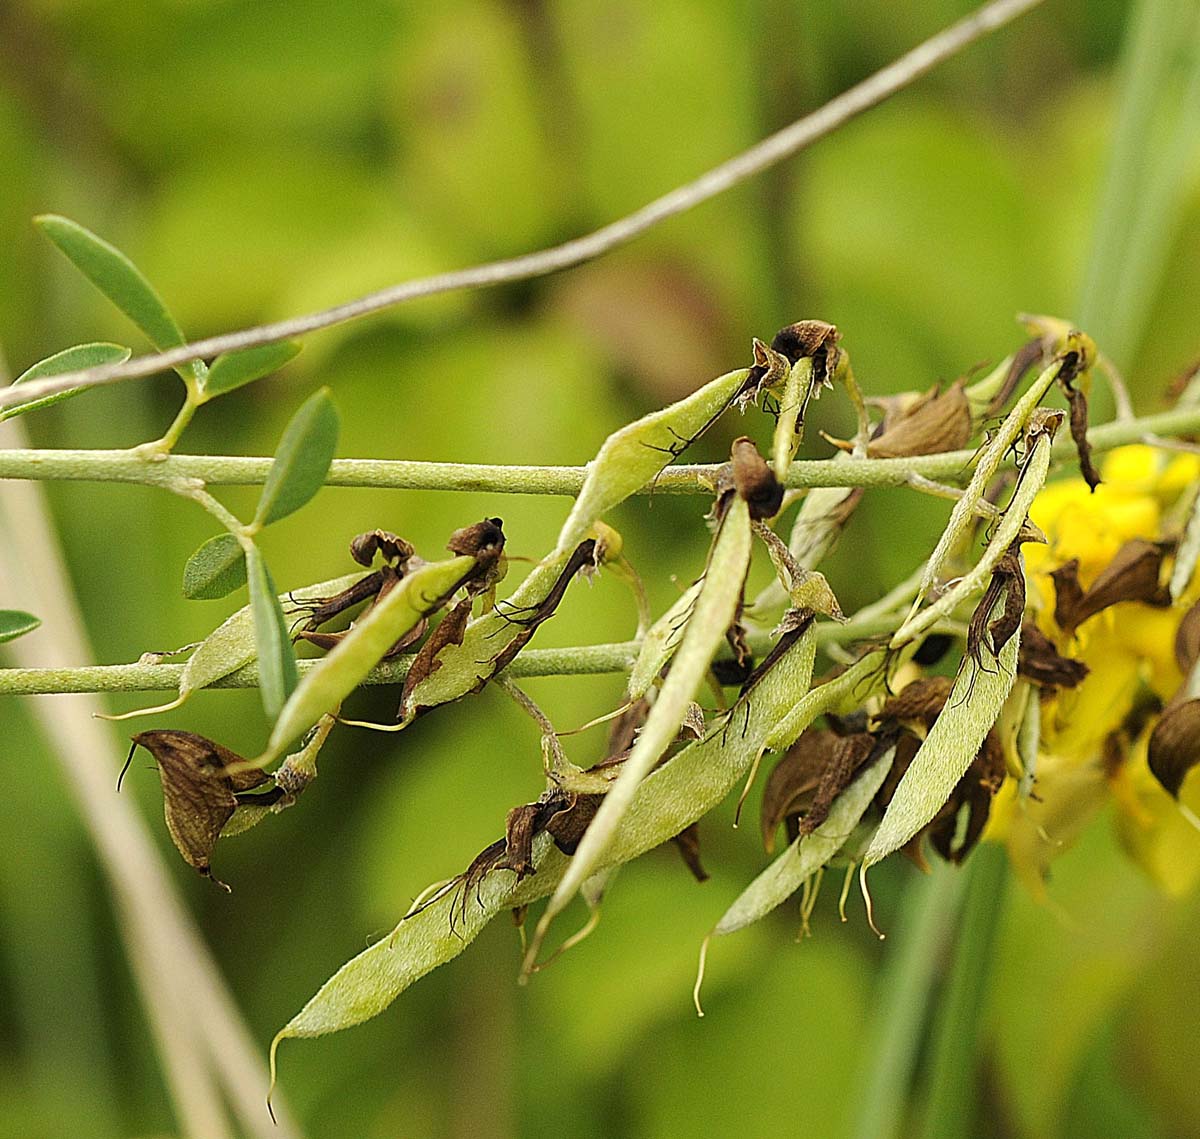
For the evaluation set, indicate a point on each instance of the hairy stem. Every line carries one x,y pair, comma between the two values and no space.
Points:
578,660
403,474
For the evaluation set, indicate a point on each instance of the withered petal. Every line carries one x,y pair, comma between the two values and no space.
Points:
1132,575
793,780
754,479
450,631
1039,661
1175,745
920,700
198,790
1187,640
937,423
687,842
395,550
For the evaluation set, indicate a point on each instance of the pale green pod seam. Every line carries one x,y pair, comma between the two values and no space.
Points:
230,645
714,610
343,669
1033,476
789,425
670,799
660,643
990,457
629,458
858,682
808,853
1187,555
462,667
952,743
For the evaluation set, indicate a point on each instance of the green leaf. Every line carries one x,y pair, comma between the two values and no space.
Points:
714,611
121,281
808,853
301,460
632,456
277,674
670,799
236,369
14,623
337,675
68,360
215,570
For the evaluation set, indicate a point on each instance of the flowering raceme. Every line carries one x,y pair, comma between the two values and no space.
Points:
1096,593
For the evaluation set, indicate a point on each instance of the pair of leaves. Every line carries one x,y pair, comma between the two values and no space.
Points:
124,284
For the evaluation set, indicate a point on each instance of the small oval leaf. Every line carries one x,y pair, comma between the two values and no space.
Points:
333,679
236,369
15,623
120,280
301,460
215,570
277,674
68,360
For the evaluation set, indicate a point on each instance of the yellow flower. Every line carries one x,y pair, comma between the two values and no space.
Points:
1085,755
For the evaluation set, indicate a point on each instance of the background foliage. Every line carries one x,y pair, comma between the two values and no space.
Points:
257,160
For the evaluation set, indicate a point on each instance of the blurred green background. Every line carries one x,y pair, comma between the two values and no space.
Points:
260,159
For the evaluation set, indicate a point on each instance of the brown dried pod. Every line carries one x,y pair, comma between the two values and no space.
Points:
394,549
1175,745
1040,662
199,795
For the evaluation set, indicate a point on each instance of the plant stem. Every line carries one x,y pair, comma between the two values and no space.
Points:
906,985
577,660
401,474
951,1110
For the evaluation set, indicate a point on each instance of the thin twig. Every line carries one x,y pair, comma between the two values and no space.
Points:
774,149
406,474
